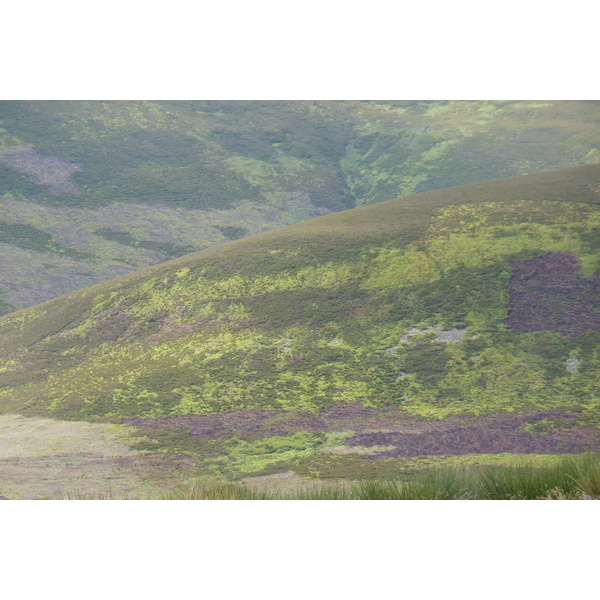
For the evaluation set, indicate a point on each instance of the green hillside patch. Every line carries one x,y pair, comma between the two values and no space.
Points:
403,304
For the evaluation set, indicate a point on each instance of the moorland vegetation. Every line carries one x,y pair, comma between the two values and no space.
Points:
363,344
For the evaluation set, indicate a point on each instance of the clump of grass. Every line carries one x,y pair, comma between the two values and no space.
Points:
380,490
325,492
236,491
437,484
219,491
586,470
76,495
572,477
522,483
447,484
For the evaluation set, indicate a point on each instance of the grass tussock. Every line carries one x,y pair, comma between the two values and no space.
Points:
76,495
238,491
218,491
571,478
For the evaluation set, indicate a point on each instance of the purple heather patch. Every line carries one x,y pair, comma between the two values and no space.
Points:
547,293
43,170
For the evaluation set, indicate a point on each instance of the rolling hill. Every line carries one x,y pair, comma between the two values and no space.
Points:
93,190
461,322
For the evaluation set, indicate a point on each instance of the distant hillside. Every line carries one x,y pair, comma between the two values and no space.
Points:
93,190
463,301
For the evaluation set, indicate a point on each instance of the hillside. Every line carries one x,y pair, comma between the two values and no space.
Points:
356,331
93,190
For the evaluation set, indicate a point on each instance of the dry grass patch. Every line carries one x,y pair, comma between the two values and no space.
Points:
23,437
43,458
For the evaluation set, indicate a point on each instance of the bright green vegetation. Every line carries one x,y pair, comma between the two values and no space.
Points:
92,190
314,314
238,457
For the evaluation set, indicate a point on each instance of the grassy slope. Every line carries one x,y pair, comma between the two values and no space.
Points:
92,190
303,317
